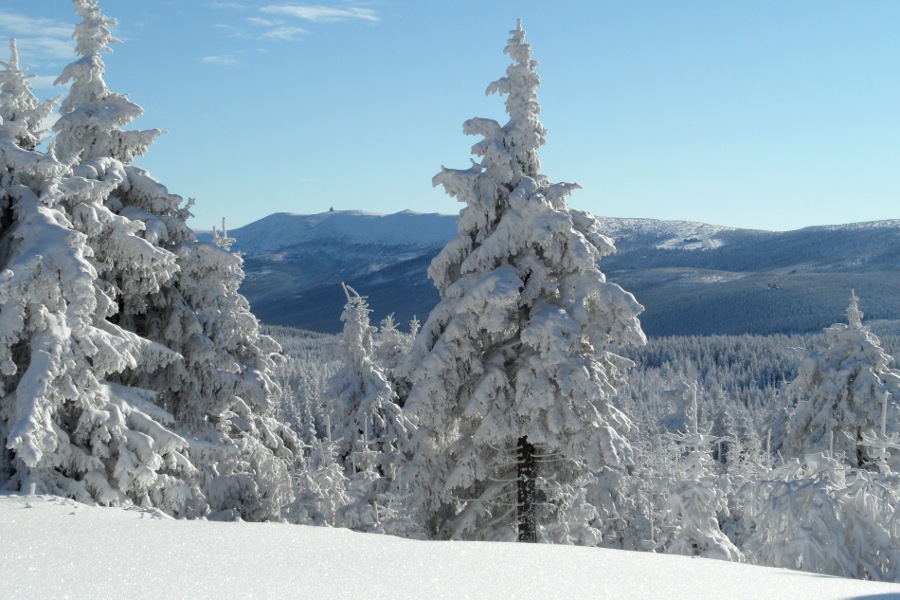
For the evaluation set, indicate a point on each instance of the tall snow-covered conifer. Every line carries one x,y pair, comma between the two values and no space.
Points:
89,140
515,364
842,393
177,292
91,115
66,427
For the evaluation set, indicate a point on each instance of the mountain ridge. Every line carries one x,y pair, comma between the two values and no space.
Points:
693,278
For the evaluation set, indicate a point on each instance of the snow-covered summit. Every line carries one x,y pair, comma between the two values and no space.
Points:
409,228
671,235
283,230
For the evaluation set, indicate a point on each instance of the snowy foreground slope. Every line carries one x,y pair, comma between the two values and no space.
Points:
54,548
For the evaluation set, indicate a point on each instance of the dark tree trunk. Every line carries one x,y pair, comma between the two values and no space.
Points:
527,473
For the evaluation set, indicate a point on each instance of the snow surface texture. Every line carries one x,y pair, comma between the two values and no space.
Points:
131,553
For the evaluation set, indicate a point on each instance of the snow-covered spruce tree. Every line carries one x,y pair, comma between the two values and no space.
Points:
88,139
91,115
841,394
370,427
321,488
513,373
744,457
23,114
882,447
220,391
699,495
392,345
365,412
66,428
181,293
816,515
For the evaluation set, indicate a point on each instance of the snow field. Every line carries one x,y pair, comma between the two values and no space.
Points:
56,548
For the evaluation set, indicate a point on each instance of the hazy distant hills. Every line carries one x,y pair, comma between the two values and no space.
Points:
692,278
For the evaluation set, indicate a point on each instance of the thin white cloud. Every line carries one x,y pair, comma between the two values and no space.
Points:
284,33
264,22
233,31
273,22
20,25
46,48
39,40
228,6
43,82
224,60
319,13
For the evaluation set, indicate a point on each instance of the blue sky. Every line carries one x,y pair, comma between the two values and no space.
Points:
765,114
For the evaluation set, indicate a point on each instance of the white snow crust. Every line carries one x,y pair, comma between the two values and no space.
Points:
56,548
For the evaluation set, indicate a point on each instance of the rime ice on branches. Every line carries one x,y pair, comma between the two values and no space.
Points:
512,374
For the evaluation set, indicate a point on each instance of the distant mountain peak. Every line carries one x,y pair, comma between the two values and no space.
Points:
284,230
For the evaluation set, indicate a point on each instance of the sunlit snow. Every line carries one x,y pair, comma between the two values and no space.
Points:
55,548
